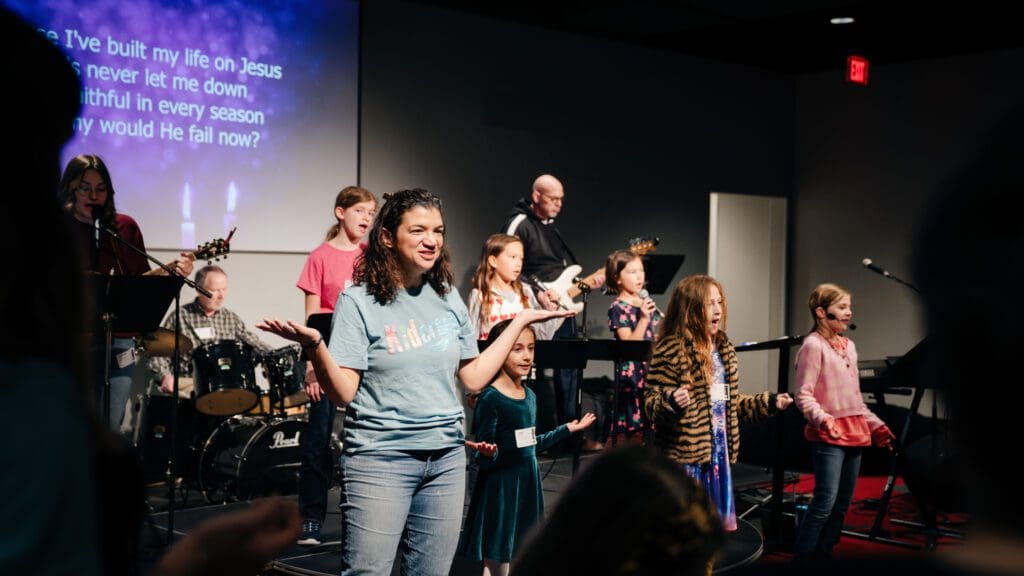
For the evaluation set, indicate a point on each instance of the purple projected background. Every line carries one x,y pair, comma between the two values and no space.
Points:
214,114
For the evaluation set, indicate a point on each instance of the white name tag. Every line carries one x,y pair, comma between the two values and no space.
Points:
204,332
126,358
526,437
719,392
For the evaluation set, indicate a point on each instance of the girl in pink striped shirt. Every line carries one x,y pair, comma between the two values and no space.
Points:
839,424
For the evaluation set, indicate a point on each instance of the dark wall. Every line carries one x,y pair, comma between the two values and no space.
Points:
474,109
871,163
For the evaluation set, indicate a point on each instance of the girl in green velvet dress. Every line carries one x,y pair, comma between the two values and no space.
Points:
507,499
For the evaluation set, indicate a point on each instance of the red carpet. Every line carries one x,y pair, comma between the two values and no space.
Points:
861,518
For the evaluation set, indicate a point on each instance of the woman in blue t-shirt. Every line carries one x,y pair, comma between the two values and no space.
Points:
399,337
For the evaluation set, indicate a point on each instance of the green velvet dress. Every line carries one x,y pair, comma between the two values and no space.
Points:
507,498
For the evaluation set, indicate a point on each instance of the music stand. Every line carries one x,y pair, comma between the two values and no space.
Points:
619,351
660,269
322,322
575,354
127,304
783,345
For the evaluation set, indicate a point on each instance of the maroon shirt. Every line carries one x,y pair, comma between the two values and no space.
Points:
113,257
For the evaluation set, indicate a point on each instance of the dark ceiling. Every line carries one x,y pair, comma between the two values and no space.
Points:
784,35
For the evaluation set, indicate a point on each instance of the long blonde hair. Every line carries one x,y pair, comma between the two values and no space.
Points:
685,317
484,275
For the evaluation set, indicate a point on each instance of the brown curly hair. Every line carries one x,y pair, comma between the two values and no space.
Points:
379,269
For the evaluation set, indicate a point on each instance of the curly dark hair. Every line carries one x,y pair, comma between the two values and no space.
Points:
73,173
379,269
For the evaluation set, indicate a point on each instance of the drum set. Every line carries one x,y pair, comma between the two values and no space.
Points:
234,440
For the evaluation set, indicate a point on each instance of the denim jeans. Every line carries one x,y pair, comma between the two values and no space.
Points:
835,477
315,472
415,497
120,380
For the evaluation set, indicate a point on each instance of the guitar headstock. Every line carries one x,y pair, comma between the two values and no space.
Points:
214,249
644,244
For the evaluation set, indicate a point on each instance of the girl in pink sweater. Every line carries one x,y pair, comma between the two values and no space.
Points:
839,424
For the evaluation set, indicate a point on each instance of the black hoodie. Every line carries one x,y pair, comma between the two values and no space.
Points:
545,253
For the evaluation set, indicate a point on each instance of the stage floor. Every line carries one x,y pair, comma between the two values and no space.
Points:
742,547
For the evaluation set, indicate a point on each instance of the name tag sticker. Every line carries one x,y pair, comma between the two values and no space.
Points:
526,437
204,332
719,392
126,358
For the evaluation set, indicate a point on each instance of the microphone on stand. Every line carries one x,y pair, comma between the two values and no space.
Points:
97,213
874,267
540,287
832,316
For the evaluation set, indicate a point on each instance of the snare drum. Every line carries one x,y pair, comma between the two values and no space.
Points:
286,375
225,378
248,457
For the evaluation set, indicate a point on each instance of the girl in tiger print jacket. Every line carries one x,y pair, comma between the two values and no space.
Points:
692,395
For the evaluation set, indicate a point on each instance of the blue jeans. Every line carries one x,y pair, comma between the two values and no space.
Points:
120,380
315,471
415,497
835,477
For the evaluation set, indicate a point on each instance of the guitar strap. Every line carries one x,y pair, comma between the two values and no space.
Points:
564,245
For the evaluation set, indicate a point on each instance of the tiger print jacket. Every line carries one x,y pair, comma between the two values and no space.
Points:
684,434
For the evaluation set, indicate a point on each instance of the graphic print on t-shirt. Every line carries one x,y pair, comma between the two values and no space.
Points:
438,334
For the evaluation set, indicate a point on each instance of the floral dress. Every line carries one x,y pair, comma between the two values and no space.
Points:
627,415
716,476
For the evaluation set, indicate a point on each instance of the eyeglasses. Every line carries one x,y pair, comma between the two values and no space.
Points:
84,188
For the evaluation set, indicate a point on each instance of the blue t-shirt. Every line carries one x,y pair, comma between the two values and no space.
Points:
409,352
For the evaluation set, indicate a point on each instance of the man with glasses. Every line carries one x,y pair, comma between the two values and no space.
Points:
546,256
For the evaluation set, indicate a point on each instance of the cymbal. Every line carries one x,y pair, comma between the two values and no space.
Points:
160,342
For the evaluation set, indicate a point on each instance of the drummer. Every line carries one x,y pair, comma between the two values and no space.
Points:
203,320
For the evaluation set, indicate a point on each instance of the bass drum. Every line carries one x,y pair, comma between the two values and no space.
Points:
250,457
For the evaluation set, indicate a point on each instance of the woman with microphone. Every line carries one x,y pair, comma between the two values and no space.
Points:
839,424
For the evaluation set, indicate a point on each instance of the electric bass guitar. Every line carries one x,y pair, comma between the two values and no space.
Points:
567,285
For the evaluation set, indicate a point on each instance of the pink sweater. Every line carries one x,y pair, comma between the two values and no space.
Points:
826,386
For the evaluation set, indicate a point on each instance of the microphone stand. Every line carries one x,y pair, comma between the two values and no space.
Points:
581,334
108,320
929,523
886,274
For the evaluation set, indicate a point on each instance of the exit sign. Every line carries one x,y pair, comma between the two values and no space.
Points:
857,70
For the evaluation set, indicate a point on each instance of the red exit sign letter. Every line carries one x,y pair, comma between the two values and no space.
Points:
857,70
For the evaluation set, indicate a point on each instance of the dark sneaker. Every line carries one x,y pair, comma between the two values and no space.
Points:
310,533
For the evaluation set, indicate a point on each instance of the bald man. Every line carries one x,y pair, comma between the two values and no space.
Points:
546,256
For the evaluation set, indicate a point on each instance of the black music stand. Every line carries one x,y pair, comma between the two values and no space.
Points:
575,354
619,351
568,354
322,322
127,304
660,269
783,345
